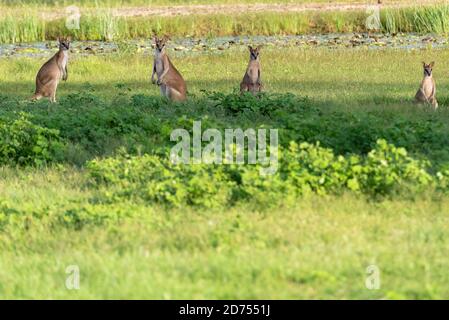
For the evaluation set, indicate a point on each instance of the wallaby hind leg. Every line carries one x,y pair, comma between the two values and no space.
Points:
53,87
175,95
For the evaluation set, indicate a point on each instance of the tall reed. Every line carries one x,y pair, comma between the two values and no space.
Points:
29,25
432,19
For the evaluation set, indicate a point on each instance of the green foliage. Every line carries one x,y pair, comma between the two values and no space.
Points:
263,104
24,143
158,181
311,168
388,167
304,169
91,126
97,127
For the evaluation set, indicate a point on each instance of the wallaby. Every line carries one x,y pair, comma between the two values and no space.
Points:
427,90
252,79
171,83
52,72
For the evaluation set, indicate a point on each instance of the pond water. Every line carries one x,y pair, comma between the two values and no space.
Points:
198,45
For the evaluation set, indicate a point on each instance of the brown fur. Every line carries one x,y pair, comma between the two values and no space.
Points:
252,79
52,72
427,90
171,82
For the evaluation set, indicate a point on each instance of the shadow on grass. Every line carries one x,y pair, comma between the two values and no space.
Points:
347,118
338,93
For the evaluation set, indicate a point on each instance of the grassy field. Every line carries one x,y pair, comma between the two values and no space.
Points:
336,78
271,243
319,249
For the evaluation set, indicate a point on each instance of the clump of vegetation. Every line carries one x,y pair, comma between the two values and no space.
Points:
157,180
25,143
304,169
264,104
90,126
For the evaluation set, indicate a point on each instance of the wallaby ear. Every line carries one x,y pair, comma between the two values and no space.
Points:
69,38
259,47
432,64
166,38
250,48
424,64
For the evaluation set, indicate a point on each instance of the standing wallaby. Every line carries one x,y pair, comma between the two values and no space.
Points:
427,90
251,81
52,72
170,80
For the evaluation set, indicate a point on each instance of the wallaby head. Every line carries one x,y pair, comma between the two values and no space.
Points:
64,43
428,69
160,43
254,52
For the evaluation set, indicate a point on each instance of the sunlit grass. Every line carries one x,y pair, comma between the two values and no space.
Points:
339,77
318,249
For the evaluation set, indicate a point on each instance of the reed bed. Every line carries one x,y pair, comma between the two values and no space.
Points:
29,25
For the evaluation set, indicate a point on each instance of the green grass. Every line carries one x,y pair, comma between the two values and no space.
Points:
27,25
316,247
352,78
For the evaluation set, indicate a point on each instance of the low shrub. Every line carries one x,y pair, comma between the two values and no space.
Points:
264,103
96,127
159,181
304,168
24,143
388,167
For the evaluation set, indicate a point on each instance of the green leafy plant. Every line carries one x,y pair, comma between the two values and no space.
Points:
159,181
387,167
304,169
24,143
